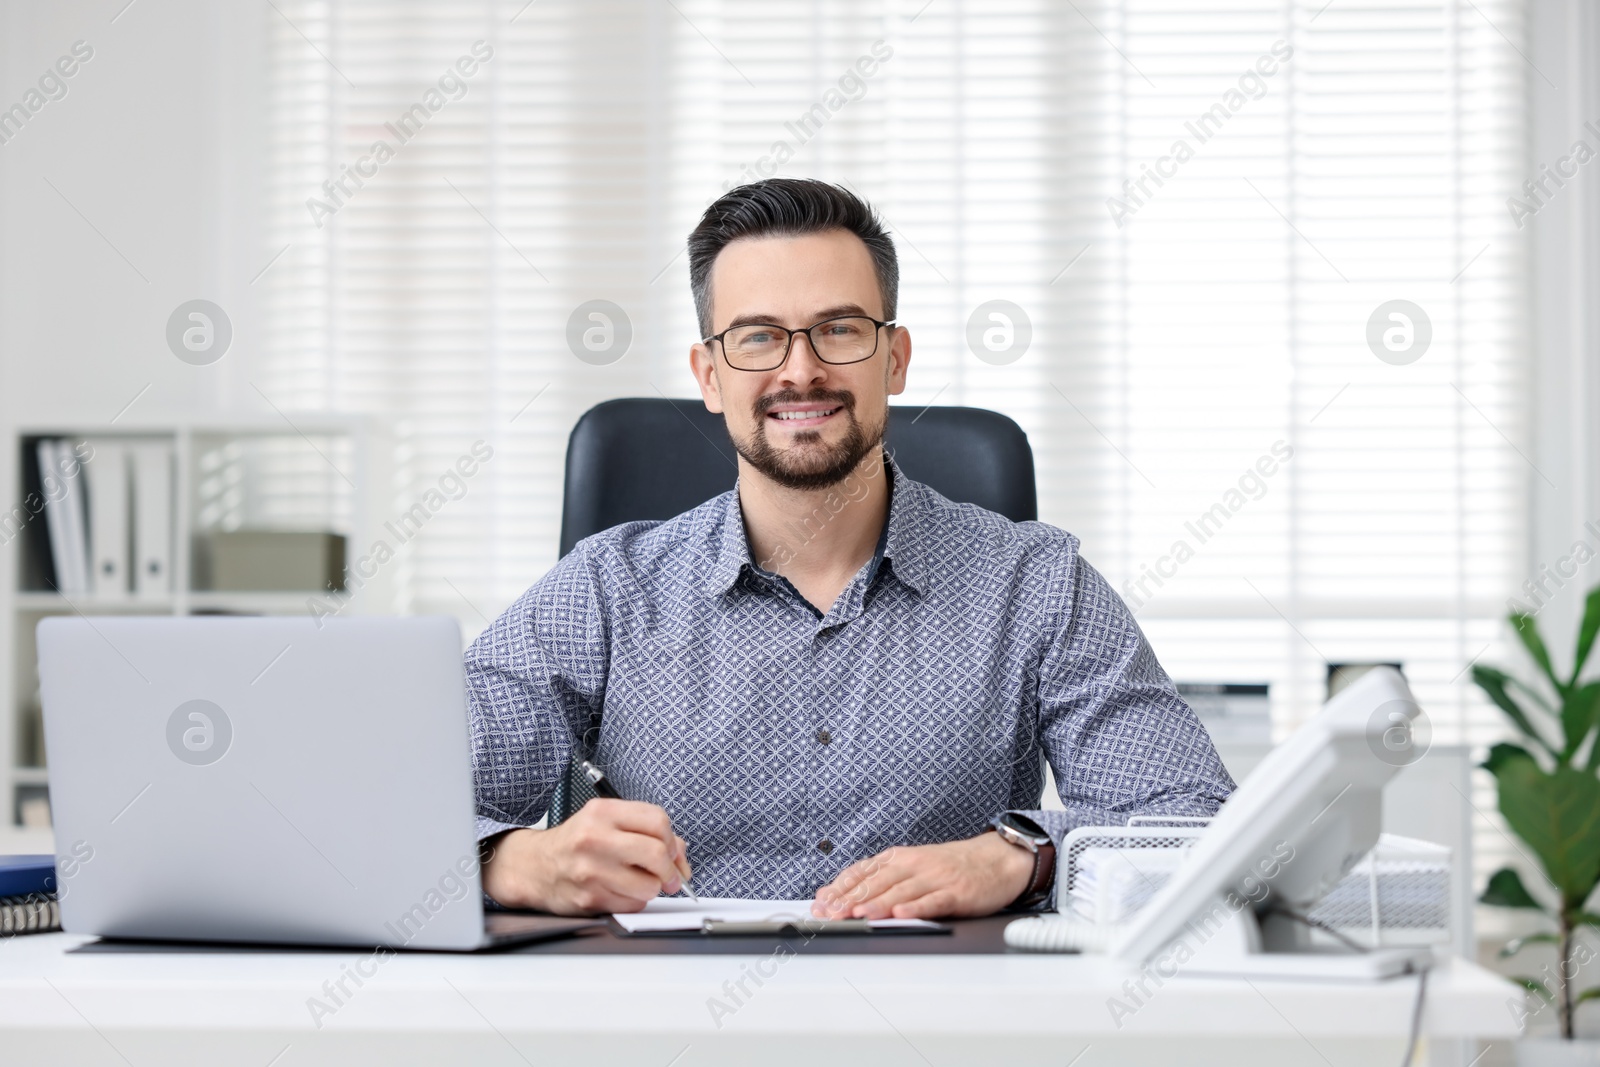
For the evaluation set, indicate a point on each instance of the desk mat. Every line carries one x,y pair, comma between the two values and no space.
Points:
967,937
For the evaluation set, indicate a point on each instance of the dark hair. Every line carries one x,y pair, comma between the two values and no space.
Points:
788,207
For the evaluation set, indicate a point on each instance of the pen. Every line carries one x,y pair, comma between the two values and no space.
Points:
604,788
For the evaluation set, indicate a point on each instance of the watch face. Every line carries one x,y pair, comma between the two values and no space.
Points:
1023,829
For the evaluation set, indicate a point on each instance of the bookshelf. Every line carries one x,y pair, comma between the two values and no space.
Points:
313,471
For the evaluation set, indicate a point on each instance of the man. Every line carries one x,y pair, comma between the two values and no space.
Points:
830,681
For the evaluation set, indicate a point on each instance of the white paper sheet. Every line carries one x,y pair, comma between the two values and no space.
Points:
666,914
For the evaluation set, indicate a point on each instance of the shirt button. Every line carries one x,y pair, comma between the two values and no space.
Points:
824,737
825,846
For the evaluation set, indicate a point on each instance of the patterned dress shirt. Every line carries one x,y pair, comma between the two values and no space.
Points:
786,743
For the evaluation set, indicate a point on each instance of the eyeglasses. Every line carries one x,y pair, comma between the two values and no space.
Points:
765,346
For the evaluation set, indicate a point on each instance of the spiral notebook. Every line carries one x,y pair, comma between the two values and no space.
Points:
35,913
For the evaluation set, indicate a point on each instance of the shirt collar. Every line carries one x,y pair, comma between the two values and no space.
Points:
906,534
902,542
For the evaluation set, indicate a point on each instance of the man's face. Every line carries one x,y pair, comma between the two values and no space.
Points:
796,282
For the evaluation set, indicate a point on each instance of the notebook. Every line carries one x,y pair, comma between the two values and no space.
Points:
31,873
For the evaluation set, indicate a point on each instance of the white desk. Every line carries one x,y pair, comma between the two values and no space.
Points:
59,1008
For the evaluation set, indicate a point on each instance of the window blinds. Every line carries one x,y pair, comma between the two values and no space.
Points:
1269,489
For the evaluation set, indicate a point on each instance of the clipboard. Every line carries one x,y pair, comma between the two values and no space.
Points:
808,928
732,917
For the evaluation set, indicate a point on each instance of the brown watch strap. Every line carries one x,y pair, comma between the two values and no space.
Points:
1044,875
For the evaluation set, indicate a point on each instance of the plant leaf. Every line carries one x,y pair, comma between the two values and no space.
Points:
1577,716
1527,628
1586,918
1592,993
1515,945
1501,753
1586,632
1494,682
1533,693
1533,985
1558,815
1505,890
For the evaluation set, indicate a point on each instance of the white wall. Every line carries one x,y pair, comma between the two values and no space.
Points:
157,144
1565,238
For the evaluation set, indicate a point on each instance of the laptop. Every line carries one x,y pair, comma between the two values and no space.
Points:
252,779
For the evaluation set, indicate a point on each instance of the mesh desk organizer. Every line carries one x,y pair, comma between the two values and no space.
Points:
1398,894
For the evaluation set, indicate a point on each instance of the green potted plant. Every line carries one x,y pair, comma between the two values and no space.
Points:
1549,789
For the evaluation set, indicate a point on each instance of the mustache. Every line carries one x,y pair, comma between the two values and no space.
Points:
843,398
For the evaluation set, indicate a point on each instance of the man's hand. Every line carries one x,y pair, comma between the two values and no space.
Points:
978,876
611,855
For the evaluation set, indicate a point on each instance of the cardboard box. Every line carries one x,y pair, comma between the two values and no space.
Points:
257,561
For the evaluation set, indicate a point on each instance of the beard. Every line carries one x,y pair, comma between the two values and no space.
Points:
818,467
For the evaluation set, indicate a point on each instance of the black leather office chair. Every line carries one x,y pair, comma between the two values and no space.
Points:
649,458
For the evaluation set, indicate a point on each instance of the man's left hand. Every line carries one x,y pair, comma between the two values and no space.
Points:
959,879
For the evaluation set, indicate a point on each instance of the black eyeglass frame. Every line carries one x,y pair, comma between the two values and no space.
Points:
788,345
